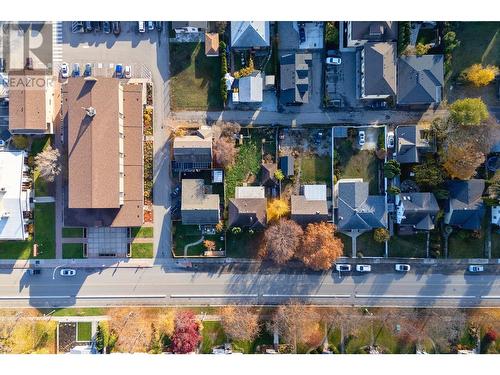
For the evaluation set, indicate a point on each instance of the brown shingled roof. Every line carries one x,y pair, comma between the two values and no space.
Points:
247,212
211,44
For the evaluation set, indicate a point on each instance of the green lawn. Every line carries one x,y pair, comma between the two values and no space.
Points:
353,163
316,169
72,232
83,311
142,232
41,186
383,337
44,236
347,241
411,246
495,244
212,335
142,250
461,245
368,246
38,144
250,347
479,43
242,245
84,330
72,250
195,82
247,162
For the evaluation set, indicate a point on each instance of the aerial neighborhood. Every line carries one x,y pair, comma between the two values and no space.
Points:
354,147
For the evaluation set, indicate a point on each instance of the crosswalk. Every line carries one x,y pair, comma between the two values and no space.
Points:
57,40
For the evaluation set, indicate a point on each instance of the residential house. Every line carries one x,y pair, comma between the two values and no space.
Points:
201,26
250,88
416,211
294,78
361,32
465,208
193,151
198,205
250,34
103,118
409,144
287,165
420,79
248,208
311,206
14,196
34,102
378,70
211,44
356,208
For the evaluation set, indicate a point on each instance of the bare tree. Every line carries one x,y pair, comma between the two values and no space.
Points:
48,163
239,323
281,240
224,151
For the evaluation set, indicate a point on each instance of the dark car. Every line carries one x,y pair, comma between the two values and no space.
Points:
106,27
97,26
302,35
2,64
159,26
116,28
88,26
35,271
29,63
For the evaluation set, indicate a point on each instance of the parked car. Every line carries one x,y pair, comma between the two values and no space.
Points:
87,72
64,70
379,104
97,26
363,268
88,26
333,60
76,70
2,144
390,139
35,271
343,267
361,137
302,34
67,272
127,72
141,26
2,64
29,63
106,27
116,28
402,267
159,26
476,268
119,71
151,25
175,192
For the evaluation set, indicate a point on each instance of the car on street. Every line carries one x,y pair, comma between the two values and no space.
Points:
87,72
302,34
402,267
390,139
363,268
476,268
333,61
76,70
141,26
175,192
127,72
106,27
67,272
116,28
151,25
361,137
343,267
29,63
35,271
64,70
119,71
97,26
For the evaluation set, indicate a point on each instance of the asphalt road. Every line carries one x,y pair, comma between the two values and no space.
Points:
173,286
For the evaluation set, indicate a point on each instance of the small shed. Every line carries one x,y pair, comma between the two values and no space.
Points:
287,165
211,44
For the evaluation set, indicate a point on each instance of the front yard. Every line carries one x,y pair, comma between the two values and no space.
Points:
142,232
142,250
495,244
367,246
242,245
195,82
411,246
72,250
191,234
463,244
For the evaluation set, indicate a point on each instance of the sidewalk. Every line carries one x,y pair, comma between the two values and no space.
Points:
78,263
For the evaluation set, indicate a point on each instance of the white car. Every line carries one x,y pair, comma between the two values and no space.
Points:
390,140
333,61
64,70
141,26
361,136
68,272
127,72
363,268
402,267
343,267
476,268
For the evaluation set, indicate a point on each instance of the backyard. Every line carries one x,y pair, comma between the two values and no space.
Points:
42,188
316,169
195,82
187,234
411,246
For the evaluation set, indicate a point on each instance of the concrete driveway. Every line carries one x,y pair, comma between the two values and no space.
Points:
371,137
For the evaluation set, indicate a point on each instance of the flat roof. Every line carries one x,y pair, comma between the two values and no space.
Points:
250,192
13,200
315,192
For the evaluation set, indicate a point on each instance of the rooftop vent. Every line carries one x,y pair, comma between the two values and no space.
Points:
90,111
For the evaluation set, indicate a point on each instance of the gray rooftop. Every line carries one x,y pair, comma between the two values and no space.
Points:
250,88
373,30
420,79
465,207
379,69
294,77
420,210
249,34
408,143
198,207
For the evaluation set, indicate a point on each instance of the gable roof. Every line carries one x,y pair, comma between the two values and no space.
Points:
465,205
267,174
287,165
248,34
250,88
194,148
211,44
420,79
357,209
247,212
294,77
408,144
419,210
379,69
373,30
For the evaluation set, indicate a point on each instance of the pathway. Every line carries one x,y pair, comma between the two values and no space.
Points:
44,200
192,244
